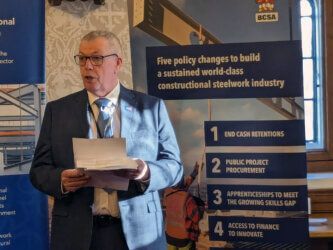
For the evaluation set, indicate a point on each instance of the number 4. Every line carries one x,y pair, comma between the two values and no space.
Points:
218,228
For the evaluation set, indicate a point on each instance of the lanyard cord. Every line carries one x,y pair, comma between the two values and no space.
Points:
95,120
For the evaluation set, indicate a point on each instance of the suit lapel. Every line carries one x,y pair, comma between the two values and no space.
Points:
127,108
80,112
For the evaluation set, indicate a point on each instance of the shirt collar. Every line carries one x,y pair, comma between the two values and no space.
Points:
113,96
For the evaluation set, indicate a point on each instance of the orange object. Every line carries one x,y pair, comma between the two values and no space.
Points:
175,200
17,133
265,5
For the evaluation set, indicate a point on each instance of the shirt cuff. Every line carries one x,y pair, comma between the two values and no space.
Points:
145,183
62,189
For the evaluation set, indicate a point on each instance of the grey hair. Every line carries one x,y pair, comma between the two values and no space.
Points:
113,40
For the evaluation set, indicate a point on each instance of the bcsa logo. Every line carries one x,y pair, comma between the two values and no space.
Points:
266,11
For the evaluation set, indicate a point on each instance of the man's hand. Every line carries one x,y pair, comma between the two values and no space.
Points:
141,173
73,179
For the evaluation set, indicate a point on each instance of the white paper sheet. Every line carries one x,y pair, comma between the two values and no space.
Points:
98,158
101,154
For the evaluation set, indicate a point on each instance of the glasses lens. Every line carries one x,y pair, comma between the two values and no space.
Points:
80,60
96,60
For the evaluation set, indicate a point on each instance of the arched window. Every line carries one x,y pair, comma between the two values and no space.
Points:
312,73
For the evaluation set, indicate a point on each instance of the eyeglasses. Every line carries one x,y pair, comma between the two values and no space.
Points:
94,60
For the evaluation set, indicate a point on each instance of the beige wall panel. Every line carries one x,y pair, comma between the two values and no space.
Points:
65,25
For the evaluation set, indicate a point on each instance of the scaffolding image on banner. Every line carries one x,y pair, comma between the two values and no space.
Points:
20,121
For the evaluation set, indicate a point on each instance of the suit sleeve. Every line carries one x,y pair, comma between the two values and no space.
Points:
167,170
44,175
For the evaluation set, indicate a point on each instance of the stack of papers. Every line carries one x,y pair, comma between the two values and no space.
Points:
102,154
98,158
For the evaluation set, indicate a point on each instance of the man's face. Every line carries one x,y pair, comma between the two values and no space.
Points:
99,80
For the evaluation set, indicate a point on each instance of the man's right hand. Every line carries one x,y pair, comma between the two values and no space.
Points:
73,179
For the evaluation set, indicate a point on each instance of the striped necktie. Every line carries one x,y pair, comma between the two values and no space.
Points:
105,117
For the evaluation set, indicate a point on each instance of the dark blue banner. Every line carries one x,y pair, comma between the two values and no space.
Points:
254,229
255,133
23,215
256,165
257,197
245,70
22,41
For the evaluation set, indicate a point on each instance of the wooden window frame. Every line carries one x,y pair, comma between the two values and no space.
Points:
322,160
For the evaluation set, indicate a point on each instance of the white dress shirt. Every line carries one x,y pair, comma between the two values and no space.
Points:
105,203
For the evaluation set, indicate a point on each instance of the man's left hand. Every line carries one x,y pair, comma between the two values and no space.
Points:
141,173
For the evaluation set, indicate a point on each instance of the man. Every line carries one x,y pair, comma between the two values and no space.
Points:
91,218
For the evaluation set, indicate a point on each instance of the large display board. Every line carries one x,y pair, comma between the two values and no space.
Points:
23,210
231,74
252,75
